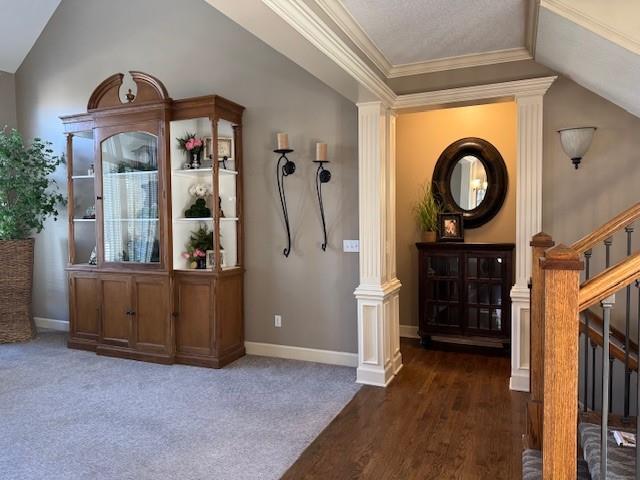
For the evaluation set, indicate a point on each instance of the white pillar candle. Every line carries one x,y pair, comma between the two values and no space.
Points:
283,141
321,152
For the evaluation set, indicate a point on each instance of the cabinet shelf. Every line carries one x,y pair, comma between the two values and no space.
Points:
82,177
128,174
80,220
190,173
207,219
131,219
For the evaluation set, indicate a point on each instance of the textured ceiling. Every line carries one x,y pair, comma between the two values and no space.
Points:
409,31
592,61
21,22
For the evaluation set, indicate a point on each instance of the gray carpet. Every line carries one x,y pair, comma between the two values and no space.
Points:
67,414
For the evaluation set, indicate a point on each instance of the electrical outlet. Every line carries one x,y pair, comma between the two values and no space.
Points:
278,321
351,245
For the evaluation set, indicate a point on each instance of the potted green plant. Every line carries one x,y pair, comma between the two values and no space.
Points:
426,210
28,196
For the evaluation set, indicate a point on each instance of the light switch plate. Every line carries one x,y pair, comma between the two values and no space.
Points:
351,245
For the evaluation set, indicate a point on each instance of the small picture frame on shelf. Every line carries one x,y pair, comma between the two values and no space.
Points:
225,147
208,147
450,227
211,258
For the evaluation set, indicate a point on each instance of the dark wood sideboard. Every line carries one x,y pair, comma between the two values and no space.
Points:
464,293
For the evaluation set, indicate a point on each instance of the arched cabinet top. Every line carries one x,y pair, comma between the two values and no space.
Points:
107,94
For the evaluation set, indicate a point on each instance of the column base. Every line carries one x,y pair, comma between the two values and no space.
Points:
520,338
379,357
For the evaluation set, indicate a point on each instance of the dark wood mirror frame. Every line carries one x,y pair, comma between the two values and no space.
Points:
497,179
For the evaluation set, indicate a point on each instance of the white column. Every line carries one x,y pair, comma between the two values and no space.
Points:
528,223
379,358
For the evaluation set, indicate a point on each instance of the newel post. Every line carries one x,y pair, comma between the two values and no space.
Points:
539,244
561,267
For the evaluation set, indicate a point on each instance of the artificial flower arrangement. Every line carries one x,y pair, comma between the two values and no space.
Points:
199,242
191,143
199,208
193,146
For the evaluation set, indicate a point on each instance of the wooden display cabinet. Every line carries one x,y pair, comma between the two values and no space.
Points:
132,293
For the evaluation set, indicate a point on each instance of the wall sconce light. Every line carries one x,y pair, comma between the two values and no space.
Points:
284,168
322,176
575,142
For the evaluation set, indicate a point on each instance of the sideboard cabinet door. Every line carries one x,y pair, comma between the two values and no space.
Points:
194,299
116,310
151,312
84,311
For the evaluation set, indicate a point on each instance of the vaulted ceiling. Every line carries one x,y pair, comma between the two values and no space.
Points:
411,31
21,23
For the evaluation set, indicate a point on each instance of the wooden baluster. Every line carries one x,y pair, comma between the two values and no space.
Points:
562,286
638,391
539,244
607,305
594,350
587,258
607,247
627,371
610,384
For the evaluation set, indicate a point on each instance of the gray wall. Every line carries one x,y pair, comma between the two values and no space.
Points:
7,100
195,50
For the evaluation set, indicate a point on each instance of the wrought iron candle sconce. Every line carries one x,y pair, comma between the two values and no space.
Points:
322,176
284,168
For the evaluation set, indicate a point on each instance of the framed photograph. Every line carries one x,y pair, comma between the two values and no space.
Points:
225,147
211,258
208,142
450,227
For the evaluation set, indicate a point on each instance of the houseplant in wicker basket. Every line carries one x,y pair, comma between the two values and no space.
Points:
27,198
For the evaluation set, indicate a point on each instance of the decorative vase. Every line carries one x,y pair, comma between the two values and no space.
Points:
195,159
201,263
16,284
428,237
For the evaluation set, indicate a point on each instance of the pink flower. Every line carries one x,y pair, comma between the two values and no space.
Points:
197,142
189,144
199,253
185,255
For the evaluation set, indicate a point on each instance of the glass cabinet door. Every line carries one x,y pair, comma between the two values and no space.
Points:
130,216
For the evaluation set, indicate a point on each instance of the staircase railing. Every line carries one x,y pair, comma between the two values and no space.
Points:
557,298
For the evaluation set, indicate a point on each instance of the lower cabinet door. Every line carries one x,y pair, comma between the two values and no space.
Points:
116,310
85,306
194,315
152,319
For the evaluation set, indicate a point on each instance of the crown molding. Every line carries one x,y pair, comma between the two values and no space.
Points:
460,61
350,26
531,32
352,29
299,16
592,24
516,89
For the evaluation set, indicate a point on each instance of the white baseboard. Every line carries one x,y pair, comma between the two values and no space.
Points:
51,324
331,357
409,331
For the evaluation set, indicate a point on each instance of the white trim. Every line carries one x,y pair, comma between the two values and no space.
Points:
519,383
330,357
409,331
592,24
460,61
51,324
352,29
305,21
504,90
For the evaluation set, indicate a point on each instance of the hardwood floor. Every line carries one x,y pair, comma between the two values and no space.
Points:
448,415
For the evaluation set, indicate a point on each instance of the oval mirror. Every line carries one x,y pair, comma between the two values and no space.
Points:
470,177
468,182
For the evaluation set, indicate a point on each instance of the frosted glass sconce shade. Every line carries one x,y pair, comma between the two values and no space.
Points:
576,141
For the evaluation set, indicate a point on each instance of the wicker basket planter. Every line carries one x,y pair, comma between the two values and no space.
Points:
16,283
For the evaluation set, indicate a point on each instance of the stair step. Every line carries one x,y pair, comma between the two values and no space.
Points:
532,466
621,461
